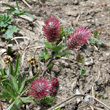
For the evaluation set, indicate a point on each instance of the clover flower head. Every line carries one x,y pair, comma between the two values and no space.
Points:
52,29
55,84
40,88
78,38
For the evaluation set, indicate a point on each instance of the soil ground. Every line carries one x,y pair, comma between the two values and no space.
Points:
94,14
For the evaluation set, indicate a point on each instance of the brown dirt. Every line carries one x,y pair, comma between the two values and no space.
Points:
95,14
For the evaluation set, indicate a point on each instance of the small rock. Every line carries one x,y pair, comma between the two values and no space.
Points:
64,63
3,50
55,68
82,12
88,62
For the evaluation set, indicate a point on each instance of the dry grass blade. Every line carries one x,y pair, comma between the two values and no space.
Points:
100,102
63,103
26,3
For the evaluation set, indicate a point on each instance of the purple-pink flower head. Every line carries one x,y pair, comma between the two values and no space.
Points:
78,38
40,88
55,84
52,29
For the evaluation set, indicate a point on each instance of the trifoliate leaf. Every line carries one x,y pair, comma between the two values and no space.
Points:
9,33
99,42
68,30
42,55
92,41
48,45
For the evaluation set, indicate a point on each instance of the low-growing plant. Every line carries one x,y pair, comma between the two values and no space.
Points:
95,41
12,85
82,71
6,29
16,10
58,43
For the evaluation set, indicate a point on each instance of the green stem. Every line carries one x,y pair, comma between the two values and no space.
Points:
17,5
9,52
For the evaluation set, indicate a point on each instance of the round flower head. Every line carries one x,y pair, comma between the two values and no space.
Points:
78,38
52,29
55,84
40,88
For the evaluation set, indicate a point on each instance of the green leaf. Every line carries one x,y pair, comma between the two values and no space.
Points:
9,33
46,51
26,99
50,65
17,5
33,77
10,11
82,71
62,33
17,65
4,96
21,82
3,30
10,6
68,30
18,12
80,58
48,100
4,20
17,104
11,92
28,15
92,41
99,42
105,96
59,47
63,54
42,55
13,83
8,91
3,78
9,50
47,56
11,69
2,70
48,45
9,108
95,33
13,28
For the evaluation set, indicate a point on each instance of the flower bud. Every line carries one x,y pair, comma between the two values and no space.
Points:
55,84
